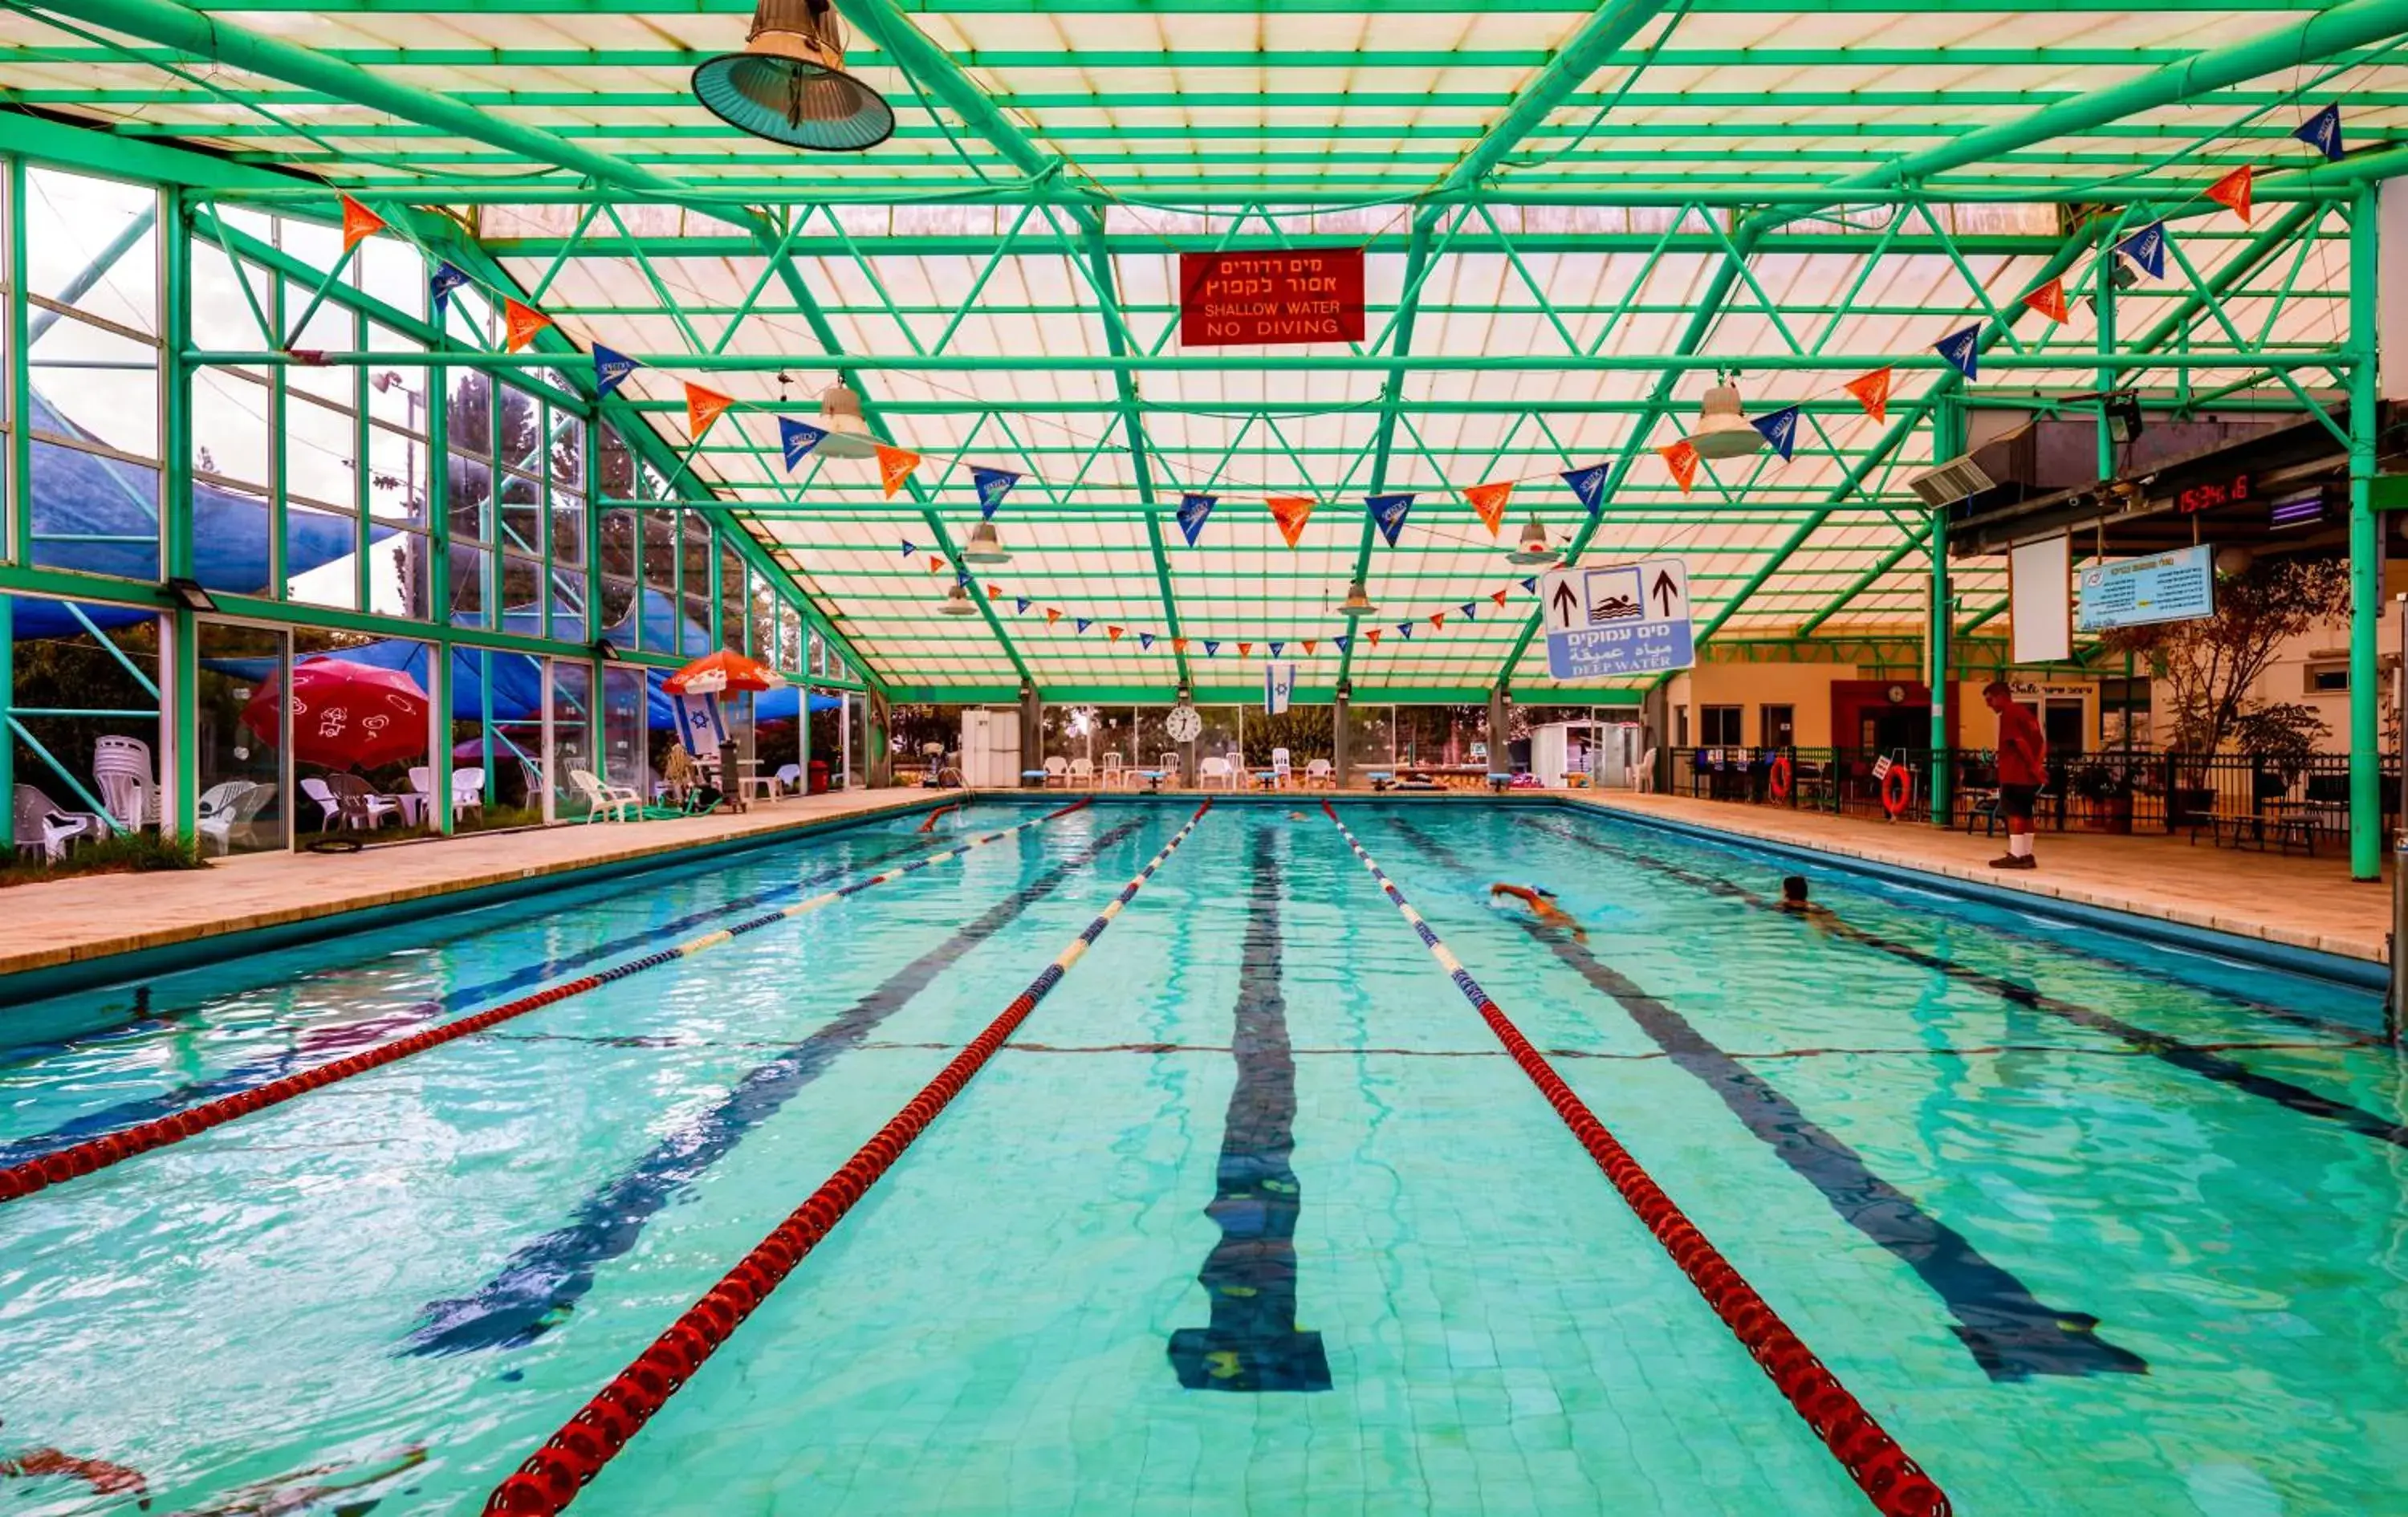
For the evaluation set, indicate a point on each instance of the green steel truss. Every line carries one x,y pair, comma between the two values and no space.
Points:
1576,217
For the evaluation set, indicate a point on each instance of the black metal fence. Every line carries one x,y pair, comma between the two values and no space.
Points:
2291,801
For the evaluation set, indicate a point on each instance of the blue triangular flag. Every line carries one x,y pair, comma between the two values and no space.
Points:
1589,485
909,548
1405,629
1780,429
1339,643
962,577
1531,583
1212,649
1192,509
1145,639
1276,648
610,369
1963,351
440,285
799,438
1464,610
2322,131
2146,248
992,486
1389,512
1085,623
1020,604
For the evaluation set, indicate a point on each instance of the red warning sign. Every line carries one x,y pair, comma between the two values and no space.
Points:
1302,296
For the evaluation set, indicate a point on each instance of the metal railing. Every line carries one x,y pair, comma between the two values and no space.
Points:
2291,800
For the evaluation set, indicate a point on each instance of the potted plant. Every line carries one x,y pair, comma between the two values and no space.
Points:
2104,787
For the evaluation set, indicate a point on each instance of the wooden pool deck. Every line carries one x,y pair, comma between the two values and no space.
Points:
2297,901
90,917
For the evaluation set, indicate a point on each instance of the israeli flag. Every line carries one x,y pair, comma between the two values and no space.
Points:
700,727
1279,683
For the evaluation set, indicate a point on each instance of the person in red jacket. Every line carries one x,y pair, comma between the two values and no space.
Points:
2023,768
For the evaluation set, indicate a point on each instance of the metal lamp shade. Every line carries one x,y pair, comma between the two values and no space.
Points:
789,84
1723,429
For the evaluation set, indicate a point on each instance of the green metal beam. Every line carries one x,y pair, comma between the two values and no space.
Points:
1391,395
1614,25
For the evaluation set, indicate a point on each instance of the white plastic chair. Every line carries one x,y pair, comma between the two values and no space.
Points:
1083,773
1282,771
1057,772
1114,775
233,803
1318,772
1642,776
121,766
790,779
1214,768
469,791
617,801
363,806
40,824
1171,769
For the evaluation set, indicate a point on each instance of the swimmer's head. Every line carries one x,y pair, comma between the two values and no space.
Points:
1793,890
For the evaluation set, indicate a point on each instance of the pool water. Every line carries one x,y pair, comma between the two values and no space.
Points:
1253,1215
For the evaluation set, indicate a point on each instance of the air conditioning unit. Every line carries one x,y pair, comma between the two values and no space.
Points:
1943,485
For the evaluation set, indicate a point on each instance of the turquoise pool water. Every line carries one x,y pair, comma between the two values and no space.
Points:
1942,1139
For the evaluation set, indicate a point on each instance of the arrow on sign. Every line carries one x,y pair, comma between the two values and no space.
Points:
1666,592
1566,602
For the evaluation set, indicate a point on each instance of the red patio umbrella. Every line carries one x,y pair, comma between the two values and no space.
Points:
715,673
346,714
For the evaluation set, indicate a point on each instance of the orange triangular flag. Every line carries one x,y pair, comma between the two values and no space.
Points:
1244,649
520,323
1291,513
1681,459
2049,300
1051,616
1112,633
1489,501
895,465
1373,637
2233,191
993,594
1499,597
1179,645
1872,393
1310,644
1437,619
935,563
359,222
702,407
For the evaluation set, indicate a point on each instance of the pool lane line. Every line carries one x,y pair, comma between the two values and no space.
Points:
2011,1334
1889,1477
543,1280
317,1040
31,1176
1252,1343
552,1477
2192,1058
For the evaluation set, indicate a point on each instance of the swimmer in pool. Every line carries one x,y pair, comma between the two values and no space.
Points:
1795,902
288,1495
102,1476
1543,906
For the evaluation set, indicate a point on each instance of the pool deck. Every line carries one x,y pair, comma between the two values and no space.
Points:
94,916
2295,900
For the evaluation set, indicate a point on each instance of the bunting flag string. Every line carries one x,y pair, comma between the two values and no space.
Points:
2322,132
702,407
1681,459
520,324
1193,510
2232,193
2146,249
895,465
1963,351
796,439
1389,513
992,486
1780,429
1488,500
447,278
1291,513
2049,301
909,548
1588,487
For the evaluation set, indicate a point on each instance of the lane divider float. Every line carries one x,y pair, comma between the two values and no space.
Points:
1895,1483
34,1175
552,1477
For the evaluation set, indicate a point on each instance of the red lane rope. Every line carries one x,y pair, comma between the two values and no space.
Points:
1881,1470
21,1180
571,1457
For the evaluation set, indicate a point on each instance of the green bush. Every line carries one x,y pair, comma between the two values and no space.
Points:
139,852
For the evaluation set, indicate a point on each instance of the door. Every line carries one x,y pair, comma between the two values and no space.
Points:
246,784
2062,723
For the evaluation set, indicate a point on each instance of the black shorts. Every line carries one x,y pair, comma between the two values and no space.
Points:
2015,801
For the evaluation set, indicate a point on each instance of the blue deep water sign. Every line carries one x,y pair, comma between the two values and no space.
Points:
2179,586
1622,619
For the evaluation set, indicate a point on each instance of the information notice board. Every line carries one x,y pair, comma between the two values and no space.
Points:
1307,295
2179,586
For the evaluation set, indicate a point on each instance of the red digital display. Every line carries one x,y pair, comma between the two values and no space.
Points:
1307,295
2206,498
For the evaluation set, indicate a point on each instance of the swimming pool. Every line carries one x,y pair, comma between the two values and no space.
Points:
1251,1214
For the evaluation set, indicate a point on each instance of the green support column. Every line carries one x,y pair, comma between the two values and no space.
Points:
1948,440
2365,556
180,713
8,737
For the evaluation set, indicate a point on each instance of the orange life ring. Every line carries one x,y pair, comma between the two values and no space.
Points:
1781,778
1895,790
